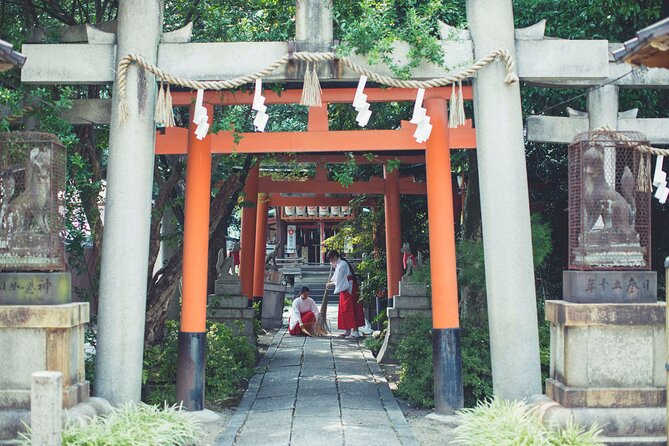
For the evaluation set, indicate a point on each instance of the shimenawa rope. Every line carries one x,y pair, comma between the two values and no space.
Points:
124,65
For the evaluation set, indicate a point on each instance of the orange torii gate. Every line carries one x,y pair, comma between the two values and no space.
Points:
319,184
317,138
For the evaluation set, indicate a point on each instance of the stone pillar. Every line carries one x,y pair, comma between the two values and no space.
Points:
125,246
391,200
192,332
507,238
447,356
313,20
46,408
248,233
602,106
261,247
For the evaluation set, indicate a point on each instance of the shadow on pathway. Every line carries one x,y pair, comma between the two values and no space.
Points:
317,391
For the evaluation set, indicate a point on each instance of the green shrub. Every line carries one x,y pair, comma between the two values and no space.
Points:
510,423
374,344
133,424
373,278
476,369
414,353
229,362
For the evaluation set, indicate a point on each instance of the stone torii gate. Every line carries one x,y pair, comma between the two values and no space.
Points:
603,109
504,197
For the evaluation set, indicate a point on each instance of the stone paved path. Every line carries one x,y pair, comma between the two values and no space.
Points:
317,392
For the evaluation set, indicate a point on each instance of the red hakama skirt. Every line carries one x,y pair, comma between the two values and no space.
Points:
307,317
351,314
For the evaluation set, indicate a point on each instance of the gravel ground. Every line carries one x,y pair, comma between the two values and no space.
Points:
428,432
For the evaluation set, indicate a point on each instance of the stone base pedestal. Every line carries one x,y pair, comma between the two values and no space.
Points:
274,296
233,311
35,338
412,300
607,366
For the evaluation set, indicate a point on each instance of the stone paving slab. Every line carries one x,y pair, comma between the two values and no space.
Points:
317,391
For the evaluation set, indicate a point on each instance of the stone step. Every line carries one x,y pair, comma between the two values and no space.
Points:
218,301
230,313
396,312
415,303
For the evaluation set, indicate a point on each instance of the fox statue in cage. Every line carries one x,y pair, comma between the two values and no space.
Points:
600,199
30,208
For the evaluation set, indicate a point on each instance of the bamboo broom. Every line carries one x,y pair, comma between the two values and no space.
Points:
322,327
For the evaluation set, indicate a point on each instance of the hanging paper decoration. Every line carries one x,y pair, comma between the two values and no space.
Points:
259,105
289,211
323,211
420,118
345,211
334,211
311,89
300,211
360,103
200,117
312,211
660,181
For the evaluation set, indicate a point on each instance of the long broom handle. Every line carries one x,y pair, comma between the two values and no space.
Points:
324,304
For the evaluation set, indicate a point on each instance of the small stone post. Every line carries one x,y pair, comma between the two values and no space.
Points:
46,408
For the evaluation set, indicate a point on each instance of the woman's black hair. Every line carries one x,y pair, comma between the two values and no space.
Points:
334,253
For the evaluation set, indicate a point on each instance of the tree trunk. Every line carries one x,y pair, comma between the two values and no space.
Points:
471,228
166,280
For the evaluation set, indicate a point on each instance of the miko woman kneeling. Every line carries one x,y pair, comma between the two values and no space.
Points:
303,315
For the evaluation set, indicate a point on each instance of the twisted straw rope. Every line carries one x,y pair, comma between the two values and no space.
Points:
641,148
124,65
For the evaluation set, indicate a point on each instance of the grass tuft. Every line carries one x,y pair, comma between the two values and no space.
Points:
501,422
133,425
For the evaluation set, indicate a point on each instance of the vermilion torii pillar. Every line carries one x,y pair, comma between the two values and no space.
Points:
192,334
447,357
261,247
391,200
248,232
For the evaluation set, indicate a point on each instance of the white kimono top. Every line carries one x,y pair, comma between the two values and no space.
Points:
340,277
302,306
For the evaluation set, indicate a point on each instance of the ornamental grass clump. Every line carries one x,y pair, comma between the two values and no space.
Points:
133,424
501,422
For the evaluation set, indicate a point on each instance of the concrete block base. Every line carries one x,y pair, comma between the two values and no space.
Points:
620,426
607,368
232,311
37,338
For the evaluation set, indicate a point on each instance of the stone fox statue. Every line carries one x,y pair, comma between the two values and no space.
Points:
31,207
618,211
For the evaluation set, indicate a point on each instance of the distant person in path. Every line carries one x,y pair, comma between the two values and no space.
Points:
351,315
303,314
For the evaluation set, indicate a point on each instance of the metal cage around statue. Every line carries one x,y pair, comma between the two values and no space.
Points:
32,202
609,201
